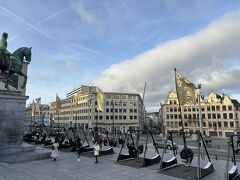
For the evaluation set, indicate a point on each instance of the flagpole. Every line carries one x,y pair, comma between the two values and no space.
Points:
199,108
183,131
58,121
181,112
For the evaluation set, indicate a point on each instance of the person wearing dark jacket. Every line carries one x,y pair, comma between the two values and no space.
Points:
187,154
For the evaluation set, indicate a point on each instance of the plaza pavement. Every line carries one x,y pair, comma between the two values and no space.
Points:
68,168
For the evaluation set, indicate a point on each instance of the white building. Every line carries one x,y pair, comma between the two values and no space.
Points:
121,110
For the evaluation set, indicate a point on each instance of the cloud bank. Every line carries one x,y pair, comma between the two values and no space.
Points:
210,57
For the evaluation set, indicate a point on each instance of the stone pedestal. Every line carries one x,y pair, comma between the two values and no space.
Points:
12,117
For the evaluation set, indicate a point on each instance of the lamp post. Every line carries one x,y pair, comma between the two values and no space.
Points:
113,118
89,115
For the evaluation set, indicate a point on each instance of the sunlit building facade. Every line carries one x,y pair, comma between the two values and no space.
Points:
121,110
220,115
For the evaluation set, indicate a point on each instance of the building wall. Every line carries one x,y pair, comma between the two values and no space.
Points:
121,110
39,116
220,115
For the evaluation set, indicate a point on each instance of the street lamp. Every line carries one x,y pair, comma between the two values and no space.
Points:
113,128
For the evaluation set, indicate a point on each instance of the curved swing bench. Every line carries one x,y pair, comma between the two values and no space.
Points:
151,161
207,169
106,151
87,148
233,172
169,163
124,157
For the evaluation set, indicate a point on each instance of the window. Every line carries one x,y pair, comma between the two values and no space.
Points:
218,108
225,124
204,124
135,117
224,115
208,108
107,110
229,107
120,117
209,116
203,116
130,110
124,117
107,117
213,108
231,124
218,116
124,110
210,124
219,124
214,116
230,115
131,117
224,108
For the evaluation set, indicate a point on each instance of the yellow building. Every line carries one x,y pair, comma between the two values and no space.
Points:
220,115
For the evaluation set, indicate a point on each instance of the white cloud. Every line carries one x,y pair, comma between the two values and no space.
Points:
205,57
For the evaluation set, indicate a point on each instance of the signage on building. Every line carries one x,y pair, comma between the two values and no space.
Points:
46,120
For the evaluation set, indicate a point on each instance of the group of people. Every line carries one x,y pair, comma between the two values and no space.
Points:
55,145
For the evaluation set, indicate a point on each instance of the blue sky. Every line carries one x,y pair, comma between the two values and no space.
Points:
119,44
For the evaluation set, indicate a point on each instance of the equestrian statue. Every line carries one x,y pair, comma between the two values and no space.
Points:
12,63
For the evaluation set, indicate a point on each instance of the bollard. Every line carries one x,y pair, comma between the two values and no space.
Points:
216,157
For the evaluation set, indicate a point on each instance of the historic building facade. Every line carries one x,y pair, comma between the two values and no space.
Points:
121,110
37,117
220,115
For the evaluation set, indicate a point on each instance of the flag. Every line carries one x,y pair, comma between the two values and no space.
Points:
33,108
100,100
185,90
76,97
38,104
58,104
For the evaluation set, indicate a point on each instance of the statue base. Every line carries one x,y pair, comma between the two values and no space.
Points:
22,153
12,117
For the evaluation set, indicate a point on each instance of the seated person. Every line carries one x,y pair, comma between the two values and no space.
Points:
132,150
140,149
187,154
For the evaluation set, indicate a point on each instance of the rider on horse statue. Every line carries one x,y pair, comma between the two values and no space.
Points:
4,53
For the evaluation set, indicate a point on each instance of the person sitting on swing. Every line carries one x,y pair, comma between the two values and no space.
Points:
140,149
187,154
132,150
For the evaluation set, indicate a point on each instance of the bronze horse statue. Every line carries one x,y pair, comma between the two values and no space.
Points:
17,58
